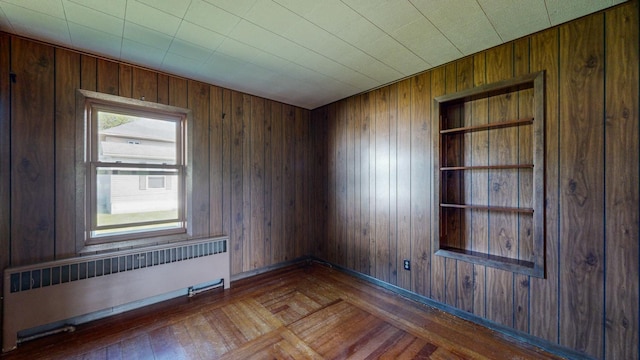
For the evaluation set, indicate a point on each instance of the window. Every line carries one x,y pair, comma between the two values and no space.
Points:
134,169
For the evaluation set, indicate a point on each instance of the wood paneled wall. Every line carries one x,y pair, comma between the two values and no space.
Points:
376,155
250,155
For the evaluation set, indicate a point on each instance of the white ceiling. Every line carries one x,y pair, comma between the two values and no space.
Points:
302,52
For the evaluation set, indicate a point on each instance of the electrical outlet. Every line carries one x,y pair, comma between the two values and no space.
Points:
406,264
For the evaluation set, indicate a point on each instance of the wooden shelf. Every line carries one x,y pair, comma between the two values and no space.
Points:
487,167
489,208
488,126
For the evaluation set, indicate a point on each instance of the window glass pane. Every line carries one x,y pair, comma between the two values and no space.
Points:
130,139
130,197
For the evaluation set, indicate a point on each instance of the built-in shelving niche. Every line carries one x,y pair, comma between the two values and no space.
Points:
489,175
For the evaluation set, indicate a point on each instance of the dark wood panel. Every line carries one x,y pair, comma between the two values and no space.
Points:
289,181
257,162
178,91
108,77
502,227
480,181
277,183
145,85
382,162
544,292
246,182
438,269
525,183
403,185
621,193
67,81
452,219
227,120
125,83
318,173
422,91
88,72
237,131
464,270
366,105
302,183
5,155
392,262
582,184
32,152
216,161
341,244
163,89
352,207
268,177
198,96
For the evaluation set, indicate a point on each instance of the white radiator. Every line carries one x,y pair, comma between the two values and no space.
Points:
45,293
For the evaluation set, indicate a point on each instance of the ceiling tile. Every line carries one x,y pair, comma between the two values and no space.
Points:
92,18
511,22
141,54
417,34
251,34
180,65
152,18
189,50
48,7
211,17
147,36
463,22
273,17
36,25
200,36
563,11
98,42
236,7
112,7
5,25
387,15
173,7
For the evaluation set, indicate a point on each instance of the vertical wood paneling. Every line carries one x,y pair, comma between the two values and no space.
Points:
227,119
32,152
582,184
257,184
198,102
354,192
403,189
268,176
382,184
289,188
178,92
5,154
216,162
464,270
621,191
66,82
145,85
450,265
392,263
107,78
163,89
331,184
422,91
438,279
365,176
479,219
501,225
301,182
125,83
350,183
341,184
277,183
544,292
88,72
318,173
525,181
237,133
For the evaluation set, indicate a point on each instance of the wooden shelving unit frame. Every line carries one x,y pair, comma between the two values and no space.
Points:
535,264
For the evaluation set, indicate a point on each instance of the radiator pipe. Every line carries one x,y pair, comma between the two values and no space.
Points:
66,328
193,292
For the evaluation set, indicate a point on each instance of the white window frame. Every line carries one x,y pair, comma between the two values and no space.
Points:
88,102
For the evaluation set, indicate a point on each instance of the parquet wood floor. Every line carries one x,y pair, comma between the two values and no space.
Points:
299,312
